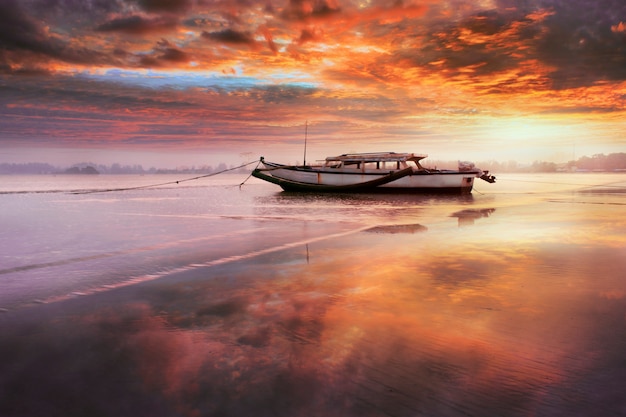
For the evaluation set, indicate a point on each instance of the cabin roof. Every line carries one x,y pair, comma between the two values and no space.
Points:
377,157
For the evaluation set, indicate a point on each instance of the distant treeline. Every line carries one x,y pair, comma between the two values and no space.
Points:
30,168
599,162
611,162
27,168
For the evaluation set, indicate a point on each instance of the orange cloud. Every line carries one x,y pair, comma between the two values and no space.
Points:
619,28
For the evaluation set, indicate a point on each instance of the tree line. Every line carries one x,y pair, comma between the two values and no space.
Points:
598,162
31,168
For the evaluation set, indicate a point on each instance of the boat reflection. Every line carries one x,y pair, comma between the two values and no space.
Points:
467,217
398,228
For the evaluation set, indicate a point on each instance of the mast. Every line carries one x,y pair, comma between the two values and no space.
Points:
306,125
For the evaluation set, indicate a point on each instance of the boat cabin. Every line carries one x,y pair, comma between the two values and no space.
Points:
371,161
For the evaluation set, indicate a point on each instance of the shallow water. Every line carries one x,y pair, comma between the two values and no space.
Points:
208,299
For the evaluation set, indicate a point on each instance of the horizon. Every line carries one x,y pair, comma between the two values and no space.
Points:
503,166
191,82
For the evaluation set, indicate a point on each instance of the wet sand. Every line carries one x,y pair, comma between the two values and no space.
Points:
514,311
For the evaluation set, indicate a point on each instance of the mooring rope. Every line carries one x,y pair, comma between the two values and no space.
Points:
250,174
107,190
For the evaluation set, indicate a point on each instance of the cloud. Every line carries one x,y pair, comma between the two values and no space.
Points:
174,55
172,6
310,35
27,44
17,29
403,67
481,44
620,27
231,37
138,25
310,9
23,37
165,54
269,38
581,44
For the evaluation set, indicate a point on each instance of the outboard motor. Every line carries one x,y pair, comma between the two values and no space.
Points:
489,178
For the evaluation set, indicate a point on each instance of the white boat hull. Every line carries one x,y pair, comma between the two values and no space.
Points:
453,181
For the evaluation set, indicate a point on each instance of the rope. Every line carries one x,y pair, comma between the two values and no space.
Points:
163,183
249,175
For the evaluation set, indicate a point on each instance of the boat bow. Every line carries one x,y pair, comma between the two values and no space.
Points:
290,185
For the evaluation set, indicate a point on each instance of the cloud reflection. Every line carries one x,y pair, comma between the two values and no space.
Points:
402,324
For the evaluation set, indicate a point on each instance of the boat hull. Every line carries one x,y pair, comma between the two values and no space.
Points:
292,178
294,184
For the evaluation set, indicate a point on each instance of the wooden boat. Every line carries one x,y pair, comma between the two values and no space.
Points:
371,172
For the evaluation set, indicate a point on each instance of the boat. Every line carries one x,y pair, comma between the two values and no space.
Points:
372,172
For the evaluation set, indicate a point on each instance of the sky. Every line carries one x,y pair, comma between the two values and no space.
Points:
173,83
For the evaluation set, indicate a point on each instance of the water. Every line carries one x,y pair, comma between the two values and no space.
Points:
206,299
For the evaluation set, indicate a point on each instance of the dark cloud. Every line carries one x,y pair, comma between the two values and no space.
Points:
18,31
578,39
480,44
196,22
170,6
309,35
174,55
486,23
230,36
280,94
305,9
163,55
580,43
65,7
25,42
82,95
138,25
